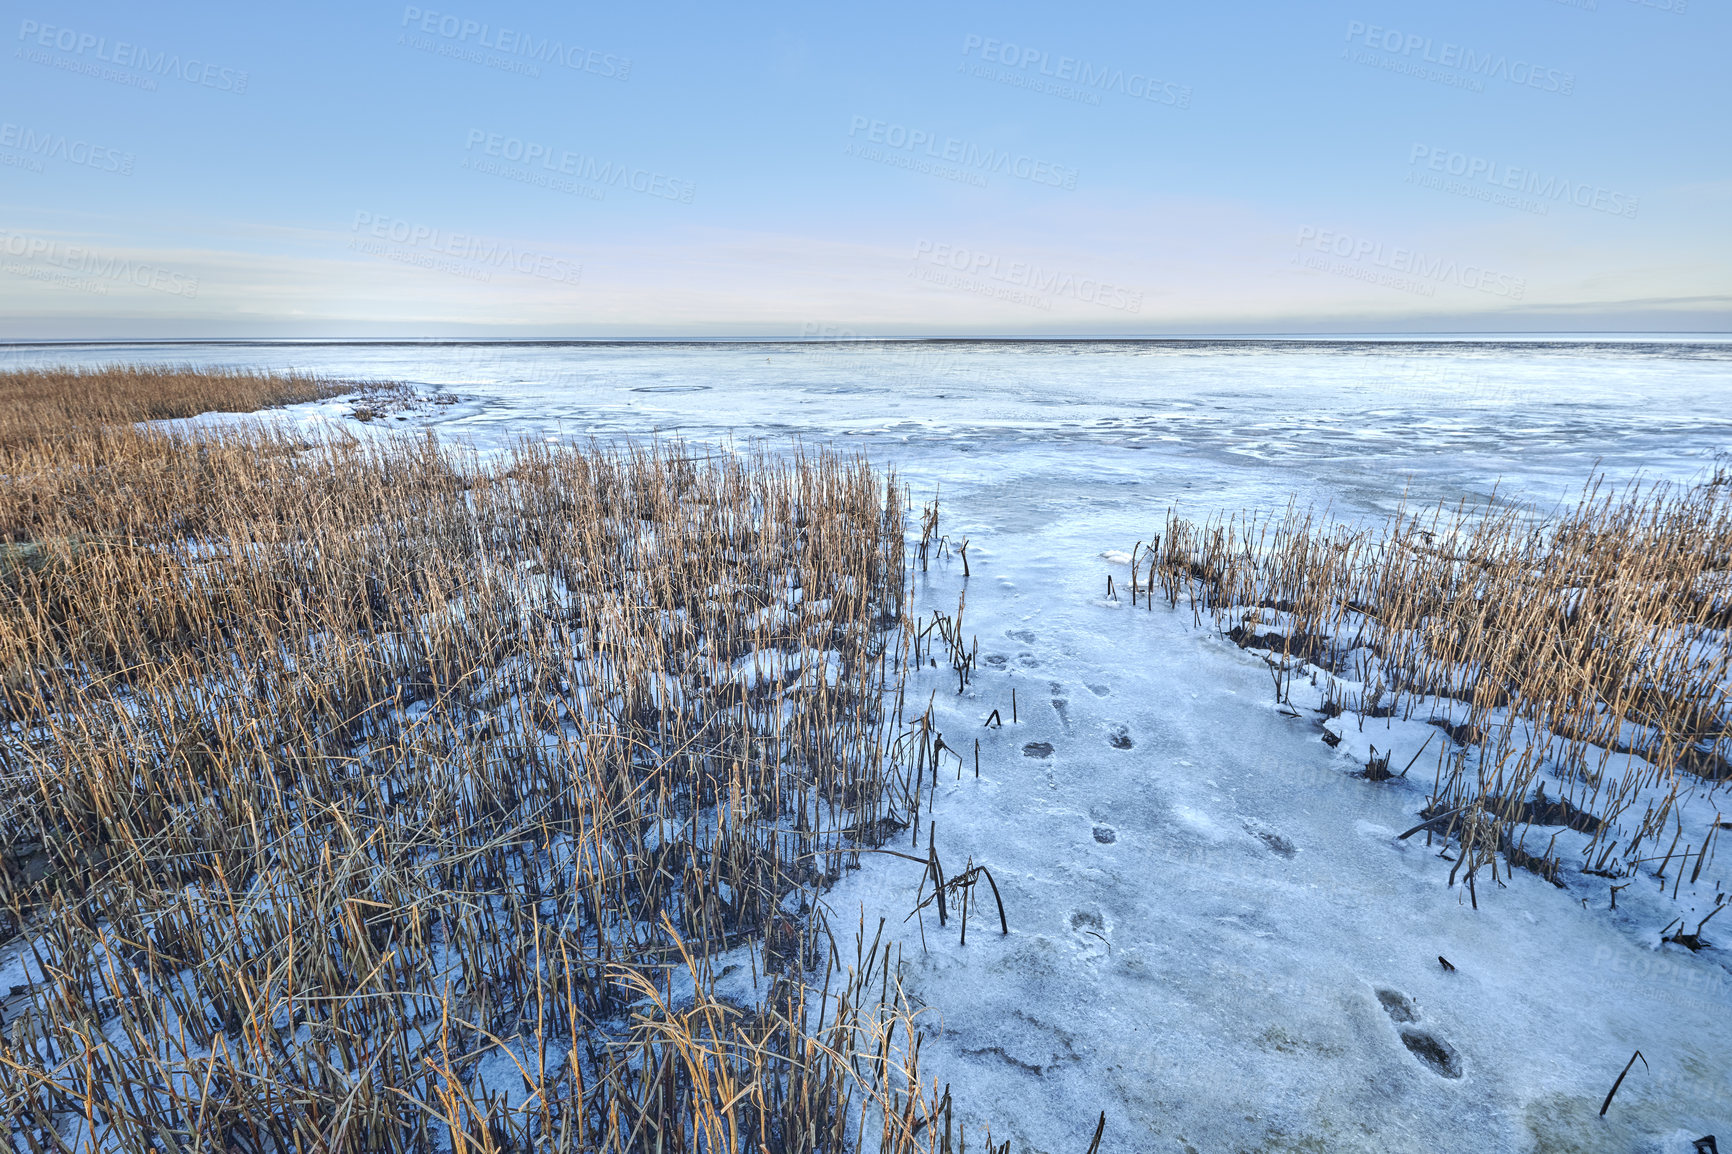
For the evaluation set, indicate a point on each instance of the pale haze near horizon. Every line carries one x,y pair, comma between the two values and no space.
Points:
530,170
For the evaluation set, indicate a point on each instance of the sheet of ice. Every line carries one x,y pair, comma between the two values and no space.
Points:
1049,424
1216,936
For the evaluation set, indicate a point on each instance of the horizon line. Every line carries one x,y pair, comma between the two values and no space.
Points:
1684,336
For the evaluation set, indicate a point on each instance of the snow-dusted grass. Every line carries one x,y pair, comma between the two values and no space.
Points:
1577,669
359,796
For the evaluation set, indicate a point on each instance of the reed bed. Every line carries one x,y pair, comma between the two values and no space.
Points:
1588,650
50,403
372,797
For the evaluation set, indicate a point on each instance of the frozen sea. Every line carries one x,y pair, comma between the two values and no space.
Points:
1217,938
1224,422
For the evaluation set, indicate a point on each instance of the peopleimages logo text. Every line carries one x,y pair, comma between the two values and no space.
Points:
1072,70
512,42
1410,47
124,54
493,254
1521,180
96,265
1406,267
50,146
976,268
564,162
971,158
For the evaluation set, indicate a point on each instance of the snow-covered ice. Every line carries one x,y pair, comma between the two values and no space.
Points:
1218,937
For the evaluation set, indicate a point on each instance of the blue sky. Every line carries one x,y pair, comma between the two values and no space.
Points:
459,168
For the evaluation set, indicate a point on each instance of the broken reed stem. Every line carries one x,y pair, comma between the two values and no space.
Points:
1610,1094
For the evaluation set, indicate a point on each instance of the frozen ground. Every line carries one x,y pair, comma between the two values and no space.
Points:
1216,936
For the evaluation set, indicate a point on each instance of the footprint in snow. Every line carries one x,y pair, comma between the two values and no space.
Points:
1276,843
1106,834
1037,749
1436,1053
1433,1051
996,660
1090,924
1119,737
1398,1005
1020,635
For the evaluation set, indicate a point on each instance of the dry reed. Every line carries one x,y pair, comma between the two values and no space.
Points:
1591,647
373,797
37,403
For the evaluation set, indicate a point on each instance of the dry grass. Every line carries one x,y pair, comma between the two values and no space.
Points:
1592,645
36,403
375,798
